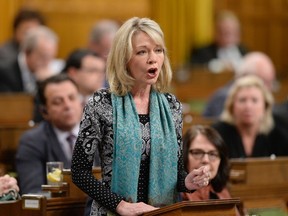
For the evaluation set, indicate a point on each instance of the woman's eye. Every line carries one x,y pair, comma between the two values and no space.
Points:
141,52
159,50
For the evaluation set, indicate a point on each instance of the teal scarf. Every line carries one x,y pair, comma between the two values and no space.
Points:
127,150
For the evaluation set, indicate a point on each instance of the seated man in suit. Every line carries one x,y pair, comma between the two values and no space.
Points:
62,111
33,64
38,51
226,51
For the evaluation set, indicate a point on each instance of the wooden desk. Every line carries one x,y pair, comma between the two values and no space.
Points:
224,207
10,208
38,205
260,182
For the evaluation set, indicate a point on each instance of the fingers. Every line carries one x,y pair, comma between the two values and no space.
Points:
139,213
7,183
202,176
200,181
132,209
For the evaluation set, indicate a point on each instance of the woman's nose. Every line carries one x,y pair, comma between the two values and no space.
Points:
205,158
151,58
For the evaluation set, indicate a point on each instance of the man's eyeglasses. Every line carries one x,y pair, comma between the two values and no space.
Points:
198,154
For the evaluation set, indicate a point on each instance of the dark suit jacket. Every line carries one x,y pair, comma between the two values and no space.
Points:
215,104
9,51
10,77
203,55
36,147
281,111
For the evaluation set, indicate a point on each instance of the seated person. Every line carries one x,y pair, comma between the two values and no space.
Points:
38,50
204,147
247,124
7,183
87,69
52,139
226,51
24,20
101,37
256,63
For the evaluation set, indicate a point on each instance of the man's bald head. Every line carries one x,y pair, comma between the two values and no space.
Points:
259,64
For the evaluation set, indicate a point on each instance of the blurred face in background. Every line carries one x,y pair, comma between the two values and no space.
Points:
91,76
227,32
42,55
23,28
203,153
248,106
63,105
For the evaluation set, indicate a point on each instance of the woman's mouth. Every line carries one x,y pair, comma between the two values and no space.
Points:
152,71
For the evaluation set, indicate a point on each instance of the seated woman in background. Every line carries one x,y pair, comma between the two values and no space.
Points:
247,124
204,147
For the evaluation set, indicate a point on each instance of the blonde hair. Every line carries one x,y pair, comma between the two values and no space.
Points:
119,79
267,122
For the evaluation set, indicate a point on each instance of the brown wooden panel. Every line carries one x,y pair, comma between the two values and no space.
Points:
16,108
264,22
260,182
199,84
8,9
38,205
10,208
16,111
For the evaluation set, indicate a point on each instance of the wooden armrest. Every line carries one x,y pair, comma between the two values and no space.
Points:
57,190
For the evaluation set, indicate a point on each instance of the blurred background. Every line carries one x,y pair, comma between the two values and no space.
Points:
186,23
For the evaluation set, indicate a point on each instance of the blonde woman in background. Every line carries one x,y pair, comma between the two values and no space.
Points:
247,124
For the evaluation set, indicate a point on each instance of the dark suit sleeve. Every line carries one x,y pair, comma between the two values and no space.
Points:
202,55
10,77
30,167
4,81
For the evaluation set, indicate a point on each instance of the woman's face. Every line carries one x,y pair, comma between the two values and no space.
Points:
249,106
146,61
203,153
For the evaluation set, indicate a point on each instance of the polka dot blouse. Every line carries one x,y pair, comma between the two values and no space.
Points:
96,132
